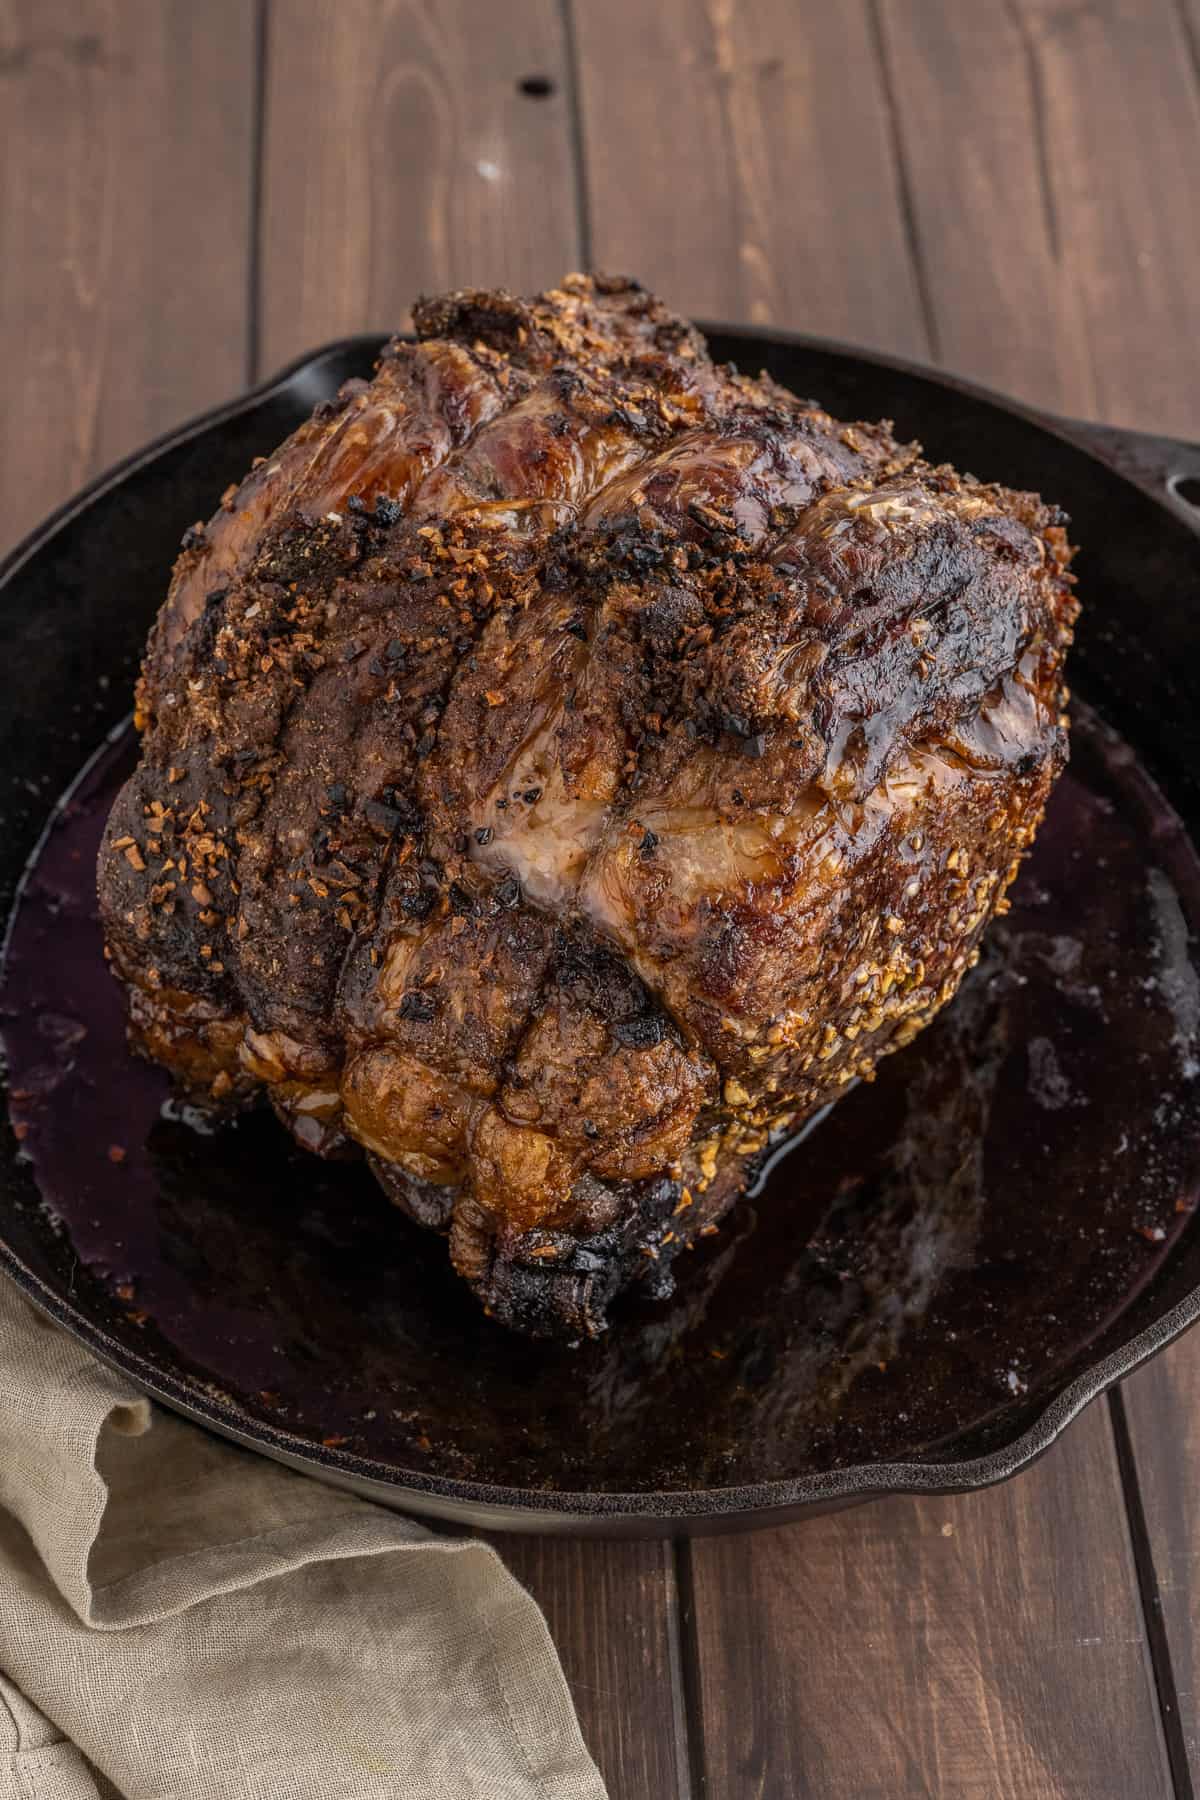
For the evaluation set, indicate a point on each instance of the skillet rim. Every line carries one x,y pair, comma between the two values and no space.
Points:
1152,465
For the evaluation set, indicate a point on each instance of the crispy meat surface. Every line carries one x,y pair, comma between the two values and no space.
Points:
568,763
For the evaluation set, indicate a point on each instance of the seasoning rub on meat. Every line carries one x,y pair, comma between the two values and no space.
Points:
566,763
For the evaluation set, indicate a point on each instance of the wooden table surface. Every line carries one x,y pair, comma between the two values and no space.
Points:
192,193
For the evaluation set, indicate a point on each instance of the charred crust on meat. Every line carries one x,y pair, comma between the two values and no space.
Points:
566,766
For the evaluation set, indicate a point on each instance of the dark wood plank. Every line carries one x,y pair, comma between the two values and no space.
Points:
1161,1404
988,1647
1078,134
1162,1407
740,159
936,184
611,1608
1051,153
402,156
125,136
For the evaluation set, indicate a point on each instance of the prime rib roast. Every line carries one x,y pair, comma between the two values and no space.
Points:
567,765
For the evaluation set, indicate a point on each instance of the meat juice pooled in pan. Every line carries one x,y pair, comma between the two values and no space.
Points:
1008,1203
566,764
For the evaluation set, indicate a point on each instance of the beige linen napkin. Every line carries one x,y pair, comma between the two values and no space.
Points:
180,1618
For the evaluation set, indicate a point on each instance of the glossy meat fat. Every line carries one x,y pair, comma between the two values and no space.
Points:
568,763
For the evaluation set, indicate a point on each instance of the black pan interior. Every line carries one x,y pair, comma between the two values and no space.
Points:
76,608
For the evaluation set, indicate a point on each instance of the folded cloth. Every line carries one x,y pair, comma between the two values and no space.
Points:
180,1618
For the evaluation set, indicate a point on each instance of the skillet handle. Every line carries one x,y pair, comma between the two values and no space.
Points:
1166,467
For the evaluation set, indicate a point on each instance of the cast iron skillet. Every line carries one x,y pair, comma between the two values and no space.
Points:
922,1320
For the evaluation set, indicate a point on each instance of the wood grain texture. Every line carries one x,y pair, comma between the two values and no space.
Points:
1051,152
1162,1406
611,1608
901,194
740,159
1007,185
125,133
988,1647
401,156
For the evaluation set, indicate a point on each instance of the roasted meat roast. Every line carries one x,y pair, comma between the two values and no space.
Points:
568,765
